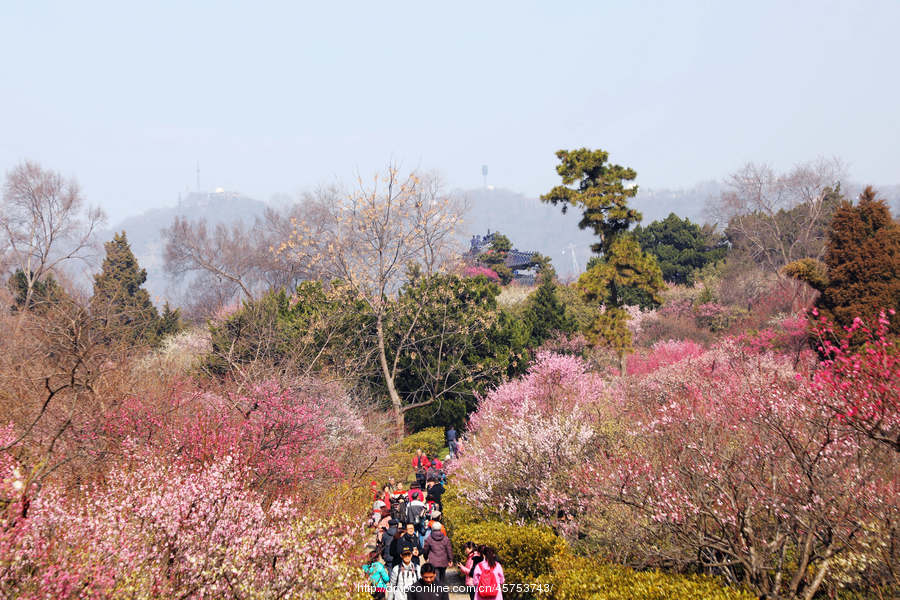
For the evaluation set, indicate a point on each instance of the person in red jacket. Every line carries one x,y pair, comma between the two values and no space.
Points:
421,463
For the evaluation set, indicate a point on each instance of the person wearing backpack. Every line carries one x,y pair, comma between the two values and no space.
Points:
404,576
415,513
488,576
389,545
378,575
438,550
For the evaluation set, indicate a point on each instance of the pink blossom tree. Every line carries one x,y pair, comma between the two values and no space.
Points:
735,464
162,528
860,382
528,440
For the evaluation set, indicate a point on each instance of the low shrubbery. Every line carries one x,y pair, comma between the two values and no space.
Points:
431,441
579,578
535,555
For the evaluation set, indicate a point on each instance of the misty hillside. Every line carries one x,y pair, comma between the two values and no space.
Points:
144,235
529,223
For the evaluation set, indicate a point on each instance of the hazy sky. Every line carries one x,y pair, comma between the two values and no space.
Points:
278,96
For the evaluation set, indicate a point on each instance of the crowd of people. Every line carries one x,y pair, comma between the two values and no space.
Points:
412,549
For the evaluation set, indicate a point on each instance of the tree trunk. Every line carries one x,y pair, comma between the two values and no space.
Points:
389,380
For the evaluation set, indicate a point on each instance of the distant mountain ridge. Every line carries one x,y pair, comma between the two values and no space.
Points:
527,222
144,231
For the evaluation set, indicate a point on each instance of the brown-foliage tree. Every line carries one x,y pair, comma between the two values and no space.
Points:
863,261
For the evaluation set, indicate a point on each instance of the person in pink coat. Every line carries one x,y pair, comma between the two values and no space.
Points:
473,557
488,563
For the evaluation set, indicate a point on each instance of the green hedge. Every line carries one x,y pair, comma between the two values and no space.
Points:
525,551
579,578
535,554
430,440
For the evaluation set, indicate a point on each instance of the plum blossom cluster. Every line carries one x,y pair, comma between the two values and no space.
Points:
662,353
860,376
528,439
736,460
287,437
476,271
157,528
728,459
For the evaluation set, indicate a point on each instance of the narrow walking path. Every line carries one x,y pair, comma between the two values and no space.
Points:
455,578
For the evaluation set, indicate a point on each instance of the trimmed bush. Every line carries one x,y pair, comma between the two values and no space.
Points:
579,578
430,440
525,551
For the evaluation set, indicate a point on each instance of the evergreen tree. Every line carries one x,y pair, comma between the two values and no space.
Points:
43,291
863,260
860,276
495,258
169,321
118,294
622,270
545,313
680,247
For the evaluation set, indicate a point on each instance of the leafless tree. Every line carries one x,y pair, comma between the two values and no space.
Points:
777,218
45,223
225,262
369,237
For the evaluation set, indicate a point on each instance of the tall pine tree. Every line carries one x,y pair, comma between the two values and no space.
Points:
622,269
125,306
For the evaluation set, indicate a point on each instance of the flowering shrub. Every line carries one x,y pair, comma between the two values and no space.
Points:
742,460
859,379
662,354
286,437
528,439
574,344
157,528
733,460
477,270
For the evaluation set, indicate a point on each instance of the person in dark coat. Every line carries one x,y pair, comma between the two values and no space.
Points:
426,588
390,552
435,490
410,540
451,441
438,551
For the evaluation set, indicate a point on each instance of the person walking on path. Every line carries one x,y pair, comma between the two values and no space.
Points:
473,557
421,464
488,577
427,588
451,441
415,514
410,540
439,551
378,575
404,576
389,544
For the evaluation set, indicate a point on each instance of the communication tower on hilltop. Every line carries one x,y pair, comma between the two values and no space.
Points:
575,268
484,172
